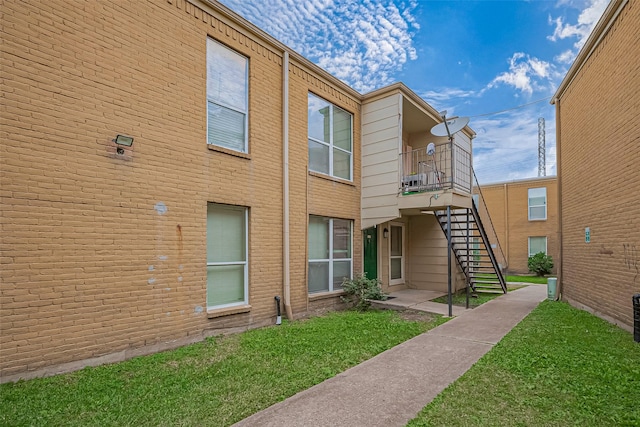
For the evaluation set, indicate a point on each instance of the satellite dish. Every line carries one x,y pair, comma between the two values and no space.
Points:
450,126
431,149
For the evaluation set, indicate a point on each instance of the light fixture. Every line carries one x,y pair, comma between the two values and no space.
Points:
124,140
385,233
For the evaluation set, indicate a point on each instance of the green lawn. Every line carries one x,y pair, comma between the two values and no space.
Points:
216,382
460,299
559,367
527,279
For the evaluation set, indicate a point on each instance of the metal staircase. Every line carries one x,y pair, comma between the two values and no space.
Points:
479,256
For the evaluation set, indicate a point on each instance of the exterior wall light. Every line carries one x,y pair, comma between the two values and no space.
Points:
124,140
385,233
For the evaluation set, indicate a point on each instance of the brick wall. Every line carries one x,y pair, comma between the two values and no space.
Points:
507,204
599,154
103,255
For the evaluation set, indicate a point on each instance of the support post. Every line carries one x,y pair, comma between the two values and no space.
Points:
468,275
450,299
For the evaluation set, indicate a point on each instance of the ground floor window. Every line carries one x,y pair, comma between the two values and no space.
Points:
396,254
537,244
330,259
227,255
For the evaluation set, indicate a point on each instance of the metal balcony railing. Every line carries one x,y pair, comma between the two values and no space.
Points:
449,167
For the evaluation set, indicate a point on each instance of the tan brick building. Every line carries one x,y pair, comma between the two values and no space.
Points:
168,169
524,214
598,128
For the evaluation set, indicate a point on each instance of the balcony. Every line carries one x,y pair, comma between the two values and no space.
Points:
449,167
399,177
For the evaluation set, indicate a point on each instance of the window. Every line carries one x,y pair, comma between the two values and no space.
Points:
227,97
227,266
396,254
330,138
537,244
329,253
537,204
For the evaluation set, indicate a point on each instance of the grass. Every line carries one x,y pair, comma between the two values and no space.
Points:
217,382
460,299
559,367
527,279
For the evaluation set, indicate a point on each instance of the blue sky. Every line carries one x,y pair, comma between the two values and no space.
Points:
472,58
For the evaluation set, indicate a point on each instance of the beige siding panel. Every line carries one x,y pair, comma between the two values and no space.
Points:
389,101
380,140
374,190
381,116
384,144
427,250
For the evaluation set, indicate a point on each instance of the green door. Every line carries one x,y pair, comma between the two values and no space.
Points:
370,237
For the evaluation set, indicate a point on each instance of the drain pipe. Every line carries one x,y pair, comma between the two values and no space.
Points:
278,316
285,178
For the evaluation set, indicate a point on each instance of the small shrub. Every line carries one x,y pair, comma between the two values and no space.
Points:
540,264
360,290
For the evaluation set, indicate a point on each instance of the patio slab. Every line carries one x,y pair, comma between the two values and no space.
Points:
418,299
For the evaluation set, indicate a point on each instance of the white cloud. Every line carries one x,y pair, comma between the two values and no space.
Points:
434,97
565,57
506,145
363,43
580,30
525,74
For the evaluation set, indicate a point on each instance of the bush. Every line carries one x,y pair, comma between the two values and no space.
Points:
540,264
361,290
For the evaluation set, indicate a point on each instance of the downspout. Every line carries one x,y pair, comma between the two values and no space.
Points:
285,191
559,200
506,222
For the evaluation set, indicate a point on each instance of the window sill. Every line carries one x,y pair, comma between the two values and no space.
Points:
332,178
324,295
228,311
229,151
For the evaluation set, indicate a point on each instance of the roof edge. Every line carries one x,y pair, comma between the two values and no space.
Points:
237,19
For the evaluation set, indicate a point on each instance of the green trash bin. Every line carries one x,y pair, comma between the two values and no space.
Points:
552,283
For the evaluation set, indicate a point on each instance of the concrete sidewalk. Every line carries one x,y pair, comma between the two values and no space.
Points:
391,388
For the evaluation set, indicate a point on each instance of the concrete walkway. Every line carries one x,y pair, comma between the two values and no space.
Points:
391,388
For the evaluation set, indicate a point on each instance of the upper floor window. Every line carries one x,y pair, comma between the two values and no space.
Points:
330,138
227,97
537,203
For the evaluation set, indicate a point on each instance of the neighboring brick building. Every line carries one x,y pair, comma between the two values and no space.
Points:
168,169
524,214
598,140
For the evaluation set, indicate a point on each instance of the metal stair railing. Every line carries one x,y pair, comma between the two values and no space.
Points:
489,248
489,228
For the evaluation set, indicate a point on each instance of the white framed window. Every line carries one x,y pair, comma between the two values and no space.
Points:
330,257
537,244
330,138
227,256
227,97
537,204
396,254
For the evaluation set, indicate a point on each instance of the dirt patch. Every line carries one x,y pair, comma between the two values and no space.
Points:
416,315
